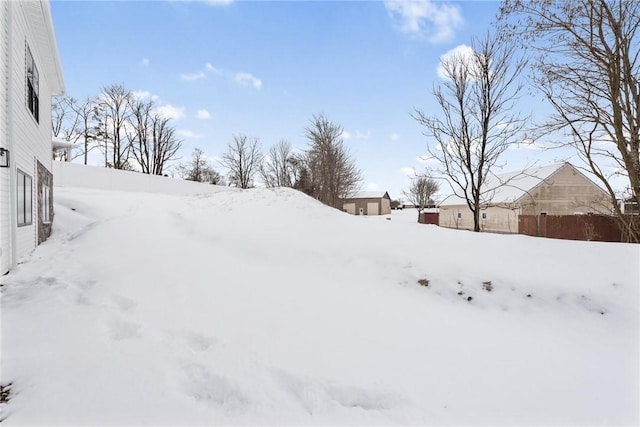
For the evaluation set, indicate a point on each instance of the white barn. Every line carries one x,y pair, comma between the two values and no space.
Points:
30,74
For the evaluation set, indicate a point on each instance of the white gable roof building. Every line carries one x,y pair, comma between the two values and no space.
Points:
558,189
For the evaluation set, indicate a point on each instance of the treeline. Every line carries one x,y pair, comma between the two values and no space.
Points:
129,130
326,170
131,134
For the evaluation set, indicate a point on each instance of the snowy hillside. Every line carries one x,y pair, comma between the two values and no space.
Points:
263,307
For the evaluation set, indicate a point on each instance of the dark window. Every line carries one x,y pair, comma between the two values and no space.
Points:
25,201
484,215
33,86
459,215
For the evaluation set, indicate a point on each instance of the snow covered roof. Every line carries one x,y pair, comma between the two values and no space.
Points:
509,187
368,195
61,143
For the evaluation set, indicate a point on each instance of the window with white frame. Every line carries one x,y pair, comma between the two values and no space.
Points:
33,84
25,201
46,204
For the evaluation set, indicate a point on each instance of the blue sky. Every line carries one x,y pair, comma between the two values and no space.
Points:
264,68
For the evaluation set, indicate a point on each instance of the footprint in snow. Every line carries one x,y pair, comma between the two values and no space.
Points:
210,388
123,330
124,304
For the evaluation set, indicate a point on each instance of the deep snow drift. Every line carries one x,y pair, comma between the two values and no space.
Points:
265,307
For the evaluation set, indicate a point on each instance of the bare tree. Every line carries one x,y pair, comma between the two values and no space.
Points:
332,171
587,67
139,132
152,138
114,109
280,167
303,179
75,121
86,112
200,170
63,120
420,193
243,159
477,124
165,146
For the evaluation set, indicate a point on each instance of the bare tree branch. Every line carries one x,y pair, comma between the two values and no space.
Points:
420,193
280,167
477,124
199,170
332,172
587,67
243,159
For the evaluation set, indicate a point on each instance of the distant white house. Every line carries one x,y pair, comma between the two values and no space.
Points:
368,203
558,189
30,74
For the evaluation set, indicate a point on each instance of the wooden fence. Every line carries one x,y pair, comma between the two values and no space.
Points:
429,218
602,228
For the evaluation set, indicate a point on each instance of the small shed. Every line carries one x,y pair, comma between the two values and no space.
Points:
368,203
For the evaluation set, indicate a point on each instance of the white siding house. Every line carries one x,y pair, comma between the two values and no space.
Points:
30,74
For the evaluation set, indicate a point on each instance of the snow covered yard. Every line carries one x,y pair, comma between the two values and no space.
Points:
263,307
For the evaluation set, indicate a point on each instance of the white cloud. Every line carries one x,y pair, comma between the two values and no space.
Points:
246,79
363,135
186,133
372,186
346,135
219,2
170,112
394,137
203,115
143,95
210,67
408,171
241,78
462,51
145,62
193,76
427,19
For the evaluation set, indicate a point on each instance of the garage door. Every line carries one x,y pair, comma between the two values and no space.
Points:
372,209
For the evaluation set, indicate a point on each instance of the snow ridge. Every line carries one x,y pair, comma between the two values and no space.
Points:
266,307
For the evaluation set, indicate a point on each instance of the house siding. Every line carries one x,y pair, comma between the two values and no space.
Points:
28,140
499,219
565,193
6,248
